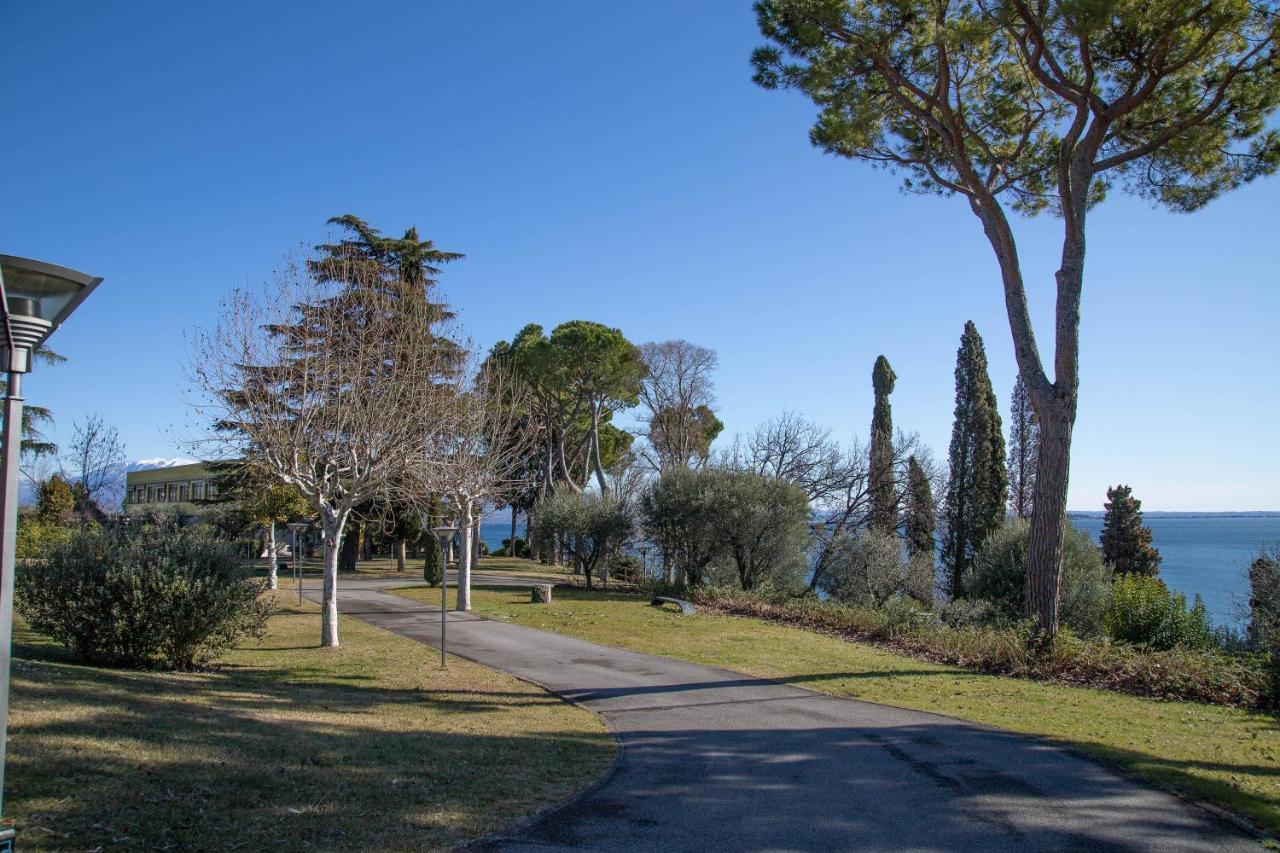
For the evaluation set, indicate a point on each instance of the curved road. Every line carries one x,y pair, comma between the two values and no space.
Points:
715,760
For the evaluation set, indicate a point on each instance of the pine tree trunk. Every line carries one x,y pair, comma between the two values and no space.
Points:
1054,402
595,449
512,548
402,548
1044,574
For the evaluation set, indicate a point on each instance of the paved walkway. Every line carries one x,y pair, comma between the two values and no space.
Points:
715,760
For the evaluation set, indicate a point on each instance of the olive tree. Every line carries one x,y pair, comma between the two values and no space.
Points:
593,526
1022,106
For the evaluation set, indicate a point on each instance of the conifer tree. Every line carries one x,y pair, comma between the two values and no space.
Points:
1126,542
1264,600
884,500
975,499
1024,447
431,572
919,517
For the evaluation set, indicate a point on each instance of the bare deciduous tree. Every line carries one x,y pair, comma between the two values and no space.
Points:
475,451
836,479
678,395
96,462
330,385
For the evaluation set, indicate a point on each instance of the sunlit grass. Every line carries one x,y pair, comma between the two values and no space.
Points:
286,746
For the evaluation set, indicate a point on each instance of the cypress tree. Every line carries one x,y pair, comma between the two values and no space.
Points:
1024,447
975,502
919,517
884,499
1126,542
431,545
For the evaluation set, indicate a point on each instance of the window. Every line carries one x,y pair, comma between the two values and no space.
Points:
197,490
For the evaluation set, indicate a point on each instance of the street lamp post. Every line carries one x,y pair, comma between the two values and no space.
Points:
644,562
35,298
444,534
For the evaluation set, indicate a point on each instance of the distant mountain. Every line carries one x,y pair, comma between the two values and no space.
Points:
158,462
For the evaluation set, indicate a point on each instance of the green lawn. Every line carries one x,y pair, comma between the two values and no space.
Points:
1225,755
286,746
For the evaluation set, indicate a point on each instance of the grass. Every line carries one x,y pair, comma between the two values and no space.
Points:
1228,756
286,746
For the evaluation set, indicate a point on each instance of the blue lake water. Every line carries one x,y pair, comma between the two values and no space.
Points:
1205,553
492,533
1202,553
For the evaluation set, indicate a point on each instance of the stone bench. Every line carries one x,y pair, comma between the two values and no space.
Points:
686,607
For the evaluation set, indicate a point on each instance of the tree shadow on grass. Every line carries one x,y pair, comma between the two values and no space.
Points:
264,759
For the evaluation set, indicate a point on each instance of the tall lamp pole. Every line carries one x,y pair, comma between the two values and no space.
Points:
445,534
35,298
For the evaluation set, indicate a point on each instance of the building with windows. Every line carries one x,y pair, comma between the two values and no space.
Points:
185,487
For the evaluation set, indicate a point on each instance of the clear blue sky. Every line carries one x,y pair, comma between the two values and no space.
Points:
604,161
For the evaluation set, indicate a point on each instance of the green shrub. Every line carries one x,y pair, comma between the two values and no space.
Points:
157,597
37,538
1144,611
1200,675
972,613
999,575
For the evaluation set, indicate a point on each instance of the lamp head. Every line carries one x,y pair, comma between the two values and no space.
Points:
35,298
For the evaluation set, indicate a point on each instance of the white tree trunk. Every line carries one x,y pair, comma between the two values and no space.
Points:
273,582
333,522
464,561
466,551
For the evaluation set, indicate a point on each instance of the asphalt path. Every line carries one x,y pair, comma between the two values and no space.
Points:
716,760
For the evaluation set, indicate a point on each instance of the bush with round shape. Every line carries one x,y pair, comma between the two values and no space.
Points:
1144,611
999,575
37,537
866,569
158,597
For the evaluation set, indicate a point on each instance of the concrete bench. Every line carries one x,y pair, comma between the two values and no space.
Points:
686,607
